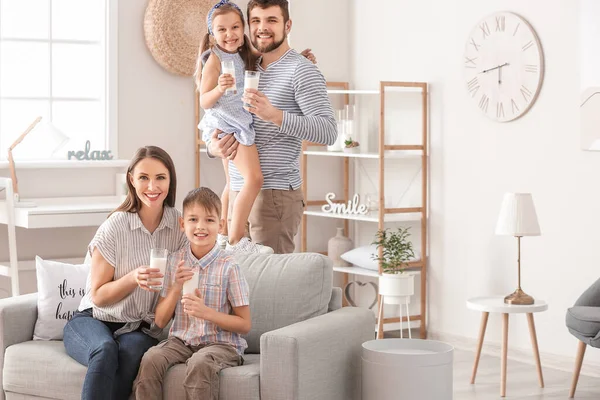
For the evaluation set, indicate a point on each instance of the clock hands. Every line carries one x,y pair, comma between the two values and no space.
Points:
499,68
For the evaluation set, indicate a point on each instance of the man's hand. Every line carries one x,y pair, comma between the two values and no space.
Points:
223,148
193,305
309,54
260,105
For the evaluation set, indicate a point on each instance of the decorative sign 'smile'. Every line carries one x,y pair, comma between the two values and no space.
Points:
353,206
86,155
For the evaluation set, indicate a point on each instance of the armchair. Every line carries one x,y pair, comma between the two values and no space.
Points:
583,321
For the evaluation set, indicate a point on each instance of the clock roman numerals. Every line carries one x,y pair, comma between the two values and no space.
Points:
484,102
527,45
532,68
500,110
477,46
514,107
516,29
473,86
527,95
500,23
470,62
485,29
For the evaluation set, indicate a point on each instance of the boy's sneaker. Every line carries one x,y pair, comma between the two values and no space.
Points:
245,245
222,241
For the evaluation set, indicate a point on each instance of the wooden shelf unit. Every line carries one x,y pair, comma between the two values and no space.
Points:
385,151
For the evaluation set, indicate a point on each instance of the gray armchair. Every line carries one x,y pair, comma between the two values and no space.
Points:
583,321
302,345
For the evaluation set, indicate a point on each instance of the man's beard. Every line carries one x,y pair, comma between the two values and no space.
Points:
270,47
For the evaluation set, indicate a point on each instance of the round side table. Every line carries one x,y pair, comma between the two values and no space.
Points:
495,304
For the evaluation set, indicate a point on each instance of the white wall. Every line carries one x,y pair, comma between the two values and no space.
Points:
474,161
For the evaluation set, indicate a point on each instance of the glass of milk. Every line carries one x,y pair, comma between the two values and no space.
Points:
190,286
158,259
227,67
251,79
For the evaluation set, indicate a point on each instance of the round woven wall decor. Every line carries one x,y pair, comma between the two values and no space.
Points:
173,30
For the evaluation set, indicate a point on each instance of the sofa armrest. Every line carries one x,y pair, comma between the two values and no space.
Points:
591,296
319,358
17,320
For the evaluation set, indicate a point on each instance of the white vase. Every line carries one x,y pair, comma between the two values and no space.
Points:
397,288
338,245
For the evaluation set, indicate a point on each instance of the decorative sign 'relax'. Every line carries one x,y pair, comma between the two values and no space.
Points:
353,206
86,155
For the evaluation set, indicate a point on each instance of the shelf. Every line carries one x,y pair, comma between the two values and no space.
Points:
67,164
375,91
397,154
372,216
354,270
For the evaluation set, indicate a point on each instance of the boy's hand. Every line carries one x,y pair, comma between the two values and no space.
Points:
225,82
194,306
182,274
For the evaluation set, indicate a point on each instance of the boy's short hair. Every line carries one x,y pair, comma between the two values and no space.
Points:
204,197
283,4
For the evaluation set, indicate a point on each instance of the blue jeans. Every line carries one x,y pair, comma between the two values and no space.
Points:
112,363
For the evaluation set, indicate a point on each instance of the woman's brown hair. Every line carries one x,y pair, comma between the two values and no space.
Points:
245,49
132,202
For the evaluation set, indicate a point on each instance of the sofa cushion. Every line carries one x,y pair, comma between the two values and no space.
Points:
42,368
238,383
584,320
60,289
285,289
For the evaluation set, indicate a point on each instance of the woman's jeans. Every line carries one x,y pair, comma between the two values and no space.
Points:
112,363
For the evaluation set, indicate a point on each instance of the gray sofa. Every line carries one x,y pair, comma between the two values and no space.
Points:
303,344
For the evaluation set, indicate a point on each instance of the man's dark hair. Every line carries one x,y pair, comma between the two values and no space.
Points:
283,4
204,197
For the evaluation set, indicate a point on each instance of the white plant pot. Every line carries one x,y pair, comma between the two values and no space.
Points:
397,288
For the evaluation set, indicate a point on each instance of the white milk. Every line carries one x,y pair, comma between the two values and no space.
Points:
190,286
251,82
161,264
227,67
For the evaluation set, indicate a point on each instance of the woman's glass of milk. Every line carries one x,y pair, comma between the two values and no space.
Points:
158,259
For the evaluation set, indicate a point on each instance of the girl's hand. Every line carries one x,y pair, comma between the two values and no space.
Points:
225,82
309,54
145,276
194,305
182,274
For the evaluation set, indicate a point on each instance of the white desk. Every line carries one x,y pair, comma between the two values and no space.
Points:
66,212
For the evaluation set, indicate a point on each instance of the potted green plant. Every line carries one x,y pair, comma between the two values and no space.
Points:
395,285
351,146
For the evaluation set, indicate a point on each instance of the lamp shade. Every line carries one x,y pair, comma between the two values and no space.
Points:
43,142
517,216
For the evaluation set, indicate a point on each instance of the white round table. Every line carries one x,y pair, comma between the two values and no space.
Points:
495,304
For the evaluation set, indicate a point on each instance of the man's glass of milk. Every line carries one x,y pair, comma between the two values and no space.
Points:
228,67
158,259
190,286
251,79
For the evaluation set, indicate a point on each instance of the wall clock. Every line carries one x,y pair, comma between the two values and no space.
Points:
504,66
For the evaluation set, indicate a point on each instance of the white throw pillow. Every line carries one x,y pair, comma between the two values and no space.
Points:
362,257
60,289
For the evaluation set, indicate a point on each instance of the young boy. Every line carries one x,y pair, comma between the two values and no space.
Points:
205,333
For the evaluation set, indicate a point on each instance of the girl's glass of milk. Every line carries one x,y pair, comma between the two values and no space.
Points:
251,79
227,67
158,259
190,286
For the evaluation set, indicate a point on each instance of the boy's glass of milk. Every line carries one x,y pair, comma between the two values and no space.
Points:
158,259
190,286
251,79
227,67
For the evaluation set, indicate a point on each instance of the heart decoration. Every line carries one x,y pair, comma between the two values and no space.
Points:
360,284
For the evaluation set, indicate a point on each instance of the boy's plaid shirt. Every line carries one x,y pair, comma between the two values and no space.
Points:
222,285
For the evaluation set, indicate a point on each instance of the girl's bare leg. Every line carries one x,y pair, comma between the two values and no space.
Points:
247,162
225,199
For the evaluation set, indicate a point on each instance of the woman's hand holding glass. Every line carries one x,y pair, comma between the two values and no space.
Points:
146,276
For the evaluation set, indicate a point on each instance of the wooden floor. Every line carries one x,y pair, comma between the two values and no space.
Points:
521,381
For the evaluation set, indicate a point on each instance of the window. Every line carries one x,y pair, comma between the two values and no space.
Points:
58,61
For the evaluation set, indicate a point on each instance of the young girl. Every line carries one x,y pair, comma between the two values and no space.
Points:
224,112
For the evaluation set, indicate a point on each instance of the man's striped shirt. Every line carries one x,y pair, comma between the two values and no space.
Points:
296,86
